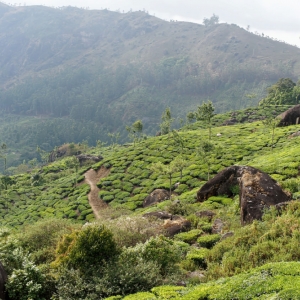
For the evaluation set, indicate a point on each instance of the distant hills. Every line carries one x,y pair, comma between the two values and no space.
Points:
79,74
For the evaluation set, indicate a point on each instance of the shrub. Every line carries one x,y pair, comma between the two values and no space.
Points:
162,251
41,238
198,256
208,241
28,282
90,246
221,200
189,237
129,231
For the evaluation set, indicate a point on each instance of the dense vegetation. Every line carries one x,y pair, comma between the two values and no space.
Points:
47,251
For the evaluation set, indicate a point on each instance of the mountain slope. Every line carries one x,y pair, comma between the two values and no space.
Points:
81,74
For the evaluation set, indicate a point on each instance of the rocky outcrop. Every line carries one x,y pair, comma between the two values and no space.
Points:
64,150
82,158
206,214
257,190
162,215
290,117
176,225
3,279
173,224
155,197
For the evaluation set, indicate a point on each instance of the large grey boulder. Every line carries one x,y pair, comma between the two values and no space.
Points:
257,190
290,116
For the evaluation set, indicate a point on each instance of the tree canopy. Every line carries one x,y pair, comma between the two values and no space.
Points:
283,92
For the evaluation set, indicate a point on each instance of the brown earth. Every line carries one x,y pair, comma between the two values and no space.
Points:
91,178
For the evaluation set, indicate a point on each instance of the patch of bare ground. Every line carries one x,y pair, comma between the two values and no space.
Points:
91,178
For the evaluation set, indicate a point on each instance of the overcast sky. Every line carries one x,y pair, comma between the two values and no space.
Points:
276,18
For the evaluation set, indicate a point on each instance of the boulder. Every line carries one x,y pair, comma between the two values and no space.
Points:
162,215
258,190
205,214
295,134
290,116
217,226
176,225
3,279
82,158
155,197
226,235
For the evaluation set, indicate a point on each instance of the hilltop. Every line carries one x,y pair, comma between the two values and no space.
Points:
70,74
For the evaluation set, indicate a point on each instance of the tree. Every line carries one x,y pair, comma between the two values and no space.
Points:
271,123
91,246
135,131
165,126
168,170
213,20
205,113
3,154
178,140
283,92
5,182
73,162
204,150
43,154
181,163
190,117
114,137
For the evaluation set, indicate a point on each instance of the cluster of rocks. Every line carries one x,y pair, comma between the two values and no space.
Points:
257,190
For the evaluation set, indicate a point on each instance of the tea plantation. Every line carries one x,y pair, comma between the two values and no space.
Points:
256,261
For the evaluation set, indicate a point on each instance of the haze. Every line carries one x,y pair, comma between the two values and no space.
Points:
275,18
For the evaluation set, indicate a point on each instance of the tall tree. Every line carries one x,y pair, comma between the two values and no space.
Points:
168,170
205,149
135,131
205,113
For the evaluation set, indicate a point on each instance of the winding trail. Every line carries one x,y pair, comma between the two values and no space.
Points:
91,178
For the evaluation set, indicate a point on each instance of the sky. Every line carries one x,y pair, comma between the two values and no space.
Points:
275,18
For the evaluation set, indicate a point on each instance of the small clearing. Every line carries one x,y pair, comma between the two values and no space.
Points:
91,178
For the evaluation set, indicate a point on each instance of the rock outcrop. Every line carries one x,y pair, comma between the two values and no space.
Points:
176,225
155,197
173,224
82,158
290,117
257,190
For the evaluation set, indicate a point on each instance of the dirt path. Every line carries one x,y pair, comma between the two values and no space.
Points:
91,178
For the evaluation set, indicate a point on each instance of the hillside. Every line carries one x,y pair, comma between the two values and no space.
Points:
81,74
41,207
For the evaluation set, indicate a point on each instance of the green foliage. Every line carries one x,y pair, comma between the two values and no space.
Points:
205,113
198,256
41,238
162,251
92,245
189,237
283,92
208,241
28,282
